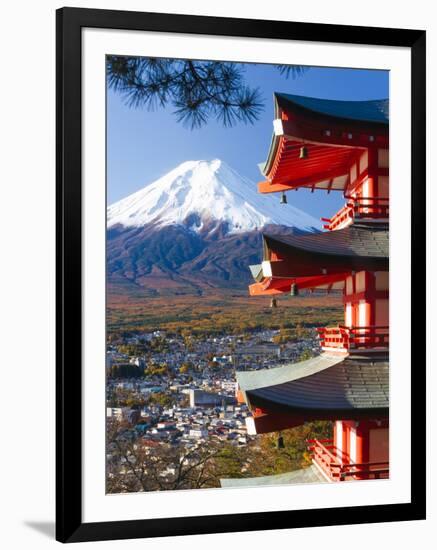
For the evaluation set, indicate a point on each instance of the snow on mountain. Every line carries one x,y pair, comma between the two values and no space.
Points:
198,194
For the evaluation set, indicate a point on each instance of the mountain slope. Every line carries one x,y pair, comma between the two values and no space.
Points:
198,193
195,228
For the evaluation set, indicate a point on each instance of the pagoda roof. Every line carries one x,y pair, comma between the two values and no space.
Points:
253,380
311,474
335,134
317,259
364,240
374,111
327,383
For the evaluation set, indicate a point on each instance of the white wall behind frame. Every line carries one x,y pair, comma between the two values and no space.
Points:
27,171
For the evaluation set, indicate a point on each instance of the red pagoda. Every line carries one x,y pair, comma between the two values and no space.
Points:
332,146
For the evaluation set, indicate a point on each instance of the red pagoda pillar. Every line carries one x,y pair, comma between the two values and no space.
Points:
346,150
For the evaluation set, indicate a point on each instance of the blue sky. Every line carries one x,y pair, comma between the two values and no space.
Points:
144,145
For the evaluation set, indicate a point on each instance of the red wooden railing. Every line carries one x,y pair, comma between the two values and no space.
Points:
344,216
322,452
371,207
346,338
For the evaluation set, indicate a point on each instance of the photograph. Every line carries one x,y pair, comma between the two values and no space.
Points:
216,223
247,274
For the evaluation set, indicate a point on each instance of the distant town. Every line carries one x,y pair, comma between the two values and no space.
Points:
179,391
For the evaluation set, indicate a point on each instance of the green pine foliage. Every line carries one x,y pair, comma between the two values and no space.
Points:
196,90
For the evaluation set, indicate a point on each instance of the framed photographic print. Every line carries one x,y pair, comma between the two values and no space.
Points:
237,278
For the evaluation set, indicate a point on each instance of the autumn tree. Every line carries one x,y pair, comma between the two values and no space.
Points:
136,465
185,367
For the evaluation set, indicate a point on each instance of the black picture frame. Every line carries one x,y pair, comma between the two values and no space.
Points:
69,525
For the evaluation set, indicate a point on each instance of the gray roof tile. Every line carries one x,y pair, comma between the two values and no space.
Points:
304,475
364,240
374,111
348,384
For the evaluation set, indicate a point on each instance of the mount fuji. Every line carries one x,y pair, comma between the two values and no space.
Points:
199,226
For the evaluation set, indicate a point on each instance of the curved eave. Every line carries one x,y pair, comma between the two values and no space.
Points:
319,260
276,417
333,143
265,167
271,155
305,475
320,387
326,167
374,112
253,380
305,264
267,286
271,407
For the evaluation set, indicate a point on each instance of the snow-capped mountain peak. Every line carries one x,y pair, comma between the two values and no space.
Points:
198,194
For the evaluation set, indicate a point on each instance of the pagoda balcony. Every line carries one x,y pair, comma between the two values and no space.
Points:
343,338
358,209
325,455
